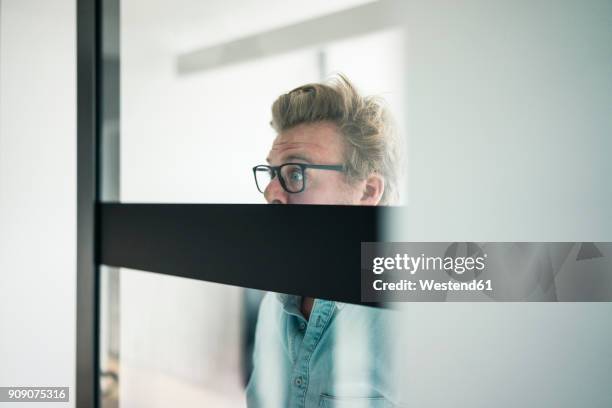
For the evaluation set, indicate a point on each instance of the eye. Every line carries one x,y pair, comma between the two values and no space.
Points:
296,175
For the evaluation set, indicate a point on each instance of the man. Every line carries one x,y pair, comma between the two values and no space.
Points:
333,146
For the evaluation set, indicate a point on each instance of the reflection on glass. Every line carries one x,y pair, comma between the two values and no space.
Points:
181,342
109,357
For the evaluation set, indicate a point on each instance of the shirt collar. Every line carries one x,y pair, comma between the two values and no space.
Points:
292,303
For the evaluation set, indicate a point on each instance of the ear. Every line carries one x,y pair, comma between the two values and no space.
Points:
373,188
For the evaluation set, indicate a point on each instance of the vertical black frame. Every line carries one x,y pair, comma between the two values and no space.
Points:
87,344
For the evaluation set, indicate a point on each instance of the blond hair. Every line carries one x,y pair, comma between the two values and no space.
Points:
365,123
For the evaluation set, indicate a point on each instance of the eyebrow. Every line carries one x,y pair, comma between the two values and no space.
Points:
298,157
294,157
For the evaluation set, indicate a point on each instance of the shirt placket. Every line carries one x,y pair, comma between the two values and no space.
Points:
321,313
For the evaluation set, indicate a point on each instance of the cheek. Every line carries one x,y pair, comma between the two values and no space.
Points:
298,199
330,193
339,190
327,190
311,196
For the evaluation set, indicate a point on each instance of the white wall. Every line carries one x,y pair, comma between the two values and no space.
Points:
37,193
509,120
510,137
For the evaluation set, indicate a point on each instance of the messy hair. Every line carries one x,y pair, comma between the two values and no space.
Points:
365,123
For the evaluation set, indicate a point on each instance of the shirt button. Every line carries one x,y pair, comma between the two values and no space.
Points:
302,326
298,381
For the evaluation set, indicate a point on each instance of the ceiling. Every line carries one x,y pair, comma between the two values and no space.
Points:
184,25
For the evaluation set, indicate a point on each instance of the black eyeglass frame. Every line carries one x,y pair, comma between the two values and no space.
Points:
276,172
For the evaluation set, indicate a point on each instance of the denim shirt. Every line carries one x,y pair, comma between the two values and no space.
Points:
340,357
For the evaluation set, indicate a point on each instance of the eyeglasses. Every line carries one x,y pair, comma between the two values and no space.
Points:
292,176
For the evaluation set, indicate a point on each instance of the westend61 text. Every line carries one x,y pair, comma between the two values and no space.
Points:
432,285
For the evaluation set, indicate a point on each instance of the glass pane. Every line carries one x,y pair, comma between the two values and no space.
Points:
169,341
109,326
180,342
193,137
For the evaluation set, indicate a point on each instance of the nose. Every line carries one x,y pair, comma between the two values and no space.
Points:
274,192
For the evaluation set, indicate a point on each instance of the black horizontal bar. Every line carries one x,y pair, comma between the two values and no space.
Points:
311,250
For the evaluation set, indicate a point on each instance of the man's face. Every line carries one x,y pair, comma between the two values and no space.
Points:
314,143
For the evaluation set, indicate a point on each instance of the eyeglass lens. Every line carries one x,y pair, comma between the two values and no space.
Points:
292,176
